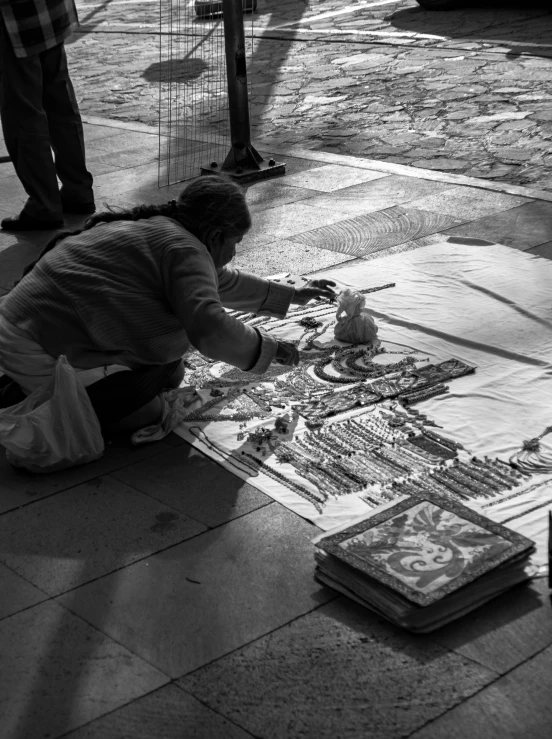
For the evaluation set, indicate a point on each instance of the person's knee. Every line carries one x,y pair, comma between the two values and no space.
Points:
148,415
177,376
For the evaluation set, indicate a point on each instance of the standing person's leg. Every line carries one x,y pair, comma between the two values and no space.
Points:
66,133
26,134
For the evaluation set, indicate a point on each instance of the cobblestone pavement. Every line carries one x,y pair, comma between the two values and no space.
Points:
467,91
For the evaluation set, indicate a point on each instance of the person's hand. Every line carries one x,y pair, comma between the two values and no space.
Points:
287,353
314,289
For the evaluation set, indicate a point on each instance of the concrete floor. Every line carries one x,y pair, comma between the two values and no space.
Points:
153,595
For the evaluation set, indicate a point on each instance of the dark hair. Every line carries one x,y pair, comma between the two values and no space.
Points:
209,203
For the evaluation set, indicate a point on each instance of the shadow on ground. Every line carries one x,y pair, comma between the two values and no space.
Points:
491,21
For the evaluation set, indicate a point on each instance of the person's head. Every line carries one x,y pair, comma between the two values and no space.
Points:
214,209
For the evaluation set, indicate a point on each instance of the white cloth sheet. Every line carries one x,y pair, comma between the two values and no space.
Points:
489,306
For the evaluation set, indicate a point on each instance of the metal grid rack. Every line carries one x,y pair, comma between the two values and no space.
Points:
193,97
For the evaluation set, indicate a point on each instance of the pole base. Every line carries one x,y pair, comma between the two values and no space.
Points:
263,171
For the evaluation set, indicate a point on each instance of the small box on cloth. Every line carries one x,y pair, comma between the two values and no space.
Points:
423,562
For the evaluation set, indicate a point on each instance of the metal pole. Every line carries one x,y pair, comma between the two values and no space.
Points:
236,72
243,161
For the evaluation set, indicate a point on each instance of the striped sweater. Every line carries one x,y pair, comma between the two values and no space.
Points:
139,293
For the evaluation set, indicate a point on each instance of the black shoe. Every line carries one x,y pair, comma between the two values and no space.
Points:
81,209
24,223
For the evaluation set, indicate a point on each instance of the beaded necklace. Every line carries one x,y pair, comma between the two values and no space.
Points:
317,498
530,489
545,504
242,407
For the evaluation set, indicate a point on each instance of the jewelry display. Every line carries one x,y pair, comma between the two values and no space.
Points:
334,403
417,397
501,474
240,407
442,440
432,447
317,498
368,371
467,483
447,370
313,329
358,433
531,458
194,415
418,456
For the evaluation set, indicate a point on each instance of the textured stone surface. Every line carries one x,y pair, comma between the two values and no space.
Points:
271,193
58,673
520,619
468,203
543,250
518,705
375,231
379,194
332,177
17,251
83,533
19,488
16,593
167,713
190,482
338,672
521,227
466,91
284,221
286,256
189,605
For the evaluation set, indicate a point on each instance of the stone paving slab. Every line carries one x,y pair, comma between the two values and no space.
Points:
376,231
17,593
167,713
284,221
506,631
58,673
191,483
379,194
517,706
189,605
543,250
285,256
337,672
521,227
19,489
88,531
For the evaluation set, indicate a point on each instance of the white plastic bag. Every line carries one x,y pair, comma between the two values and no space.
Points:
54,427
354,324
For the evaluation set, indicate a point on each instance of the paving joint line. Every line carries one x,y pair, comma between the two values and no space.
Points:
468,698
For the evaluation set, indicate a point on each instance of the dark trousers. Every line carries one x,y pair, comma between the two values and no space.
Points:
39,113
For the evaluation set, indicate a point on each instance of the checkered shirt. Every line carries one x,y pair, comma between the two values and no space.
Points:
34,26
